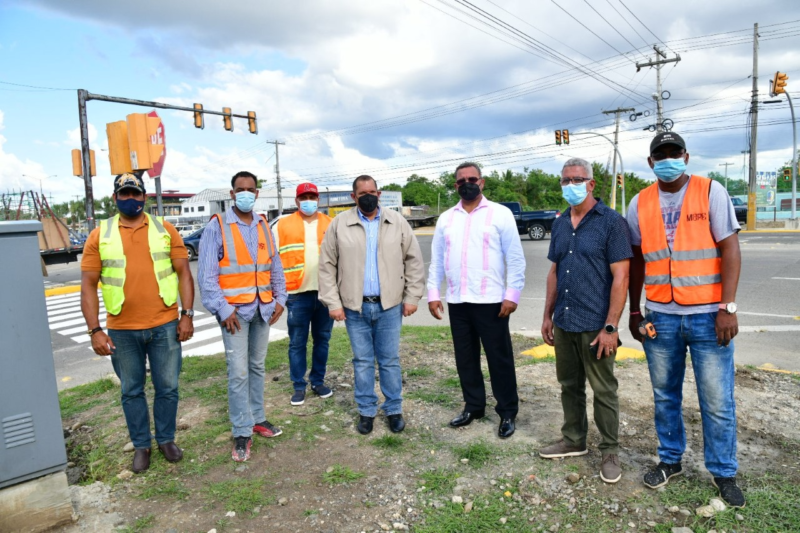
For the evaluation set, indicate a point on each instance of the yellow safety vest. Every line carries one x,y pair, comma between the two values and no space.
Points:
112,256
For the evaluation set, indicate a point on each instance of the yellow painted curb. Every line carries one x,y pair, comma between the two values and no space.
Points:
769,367
543,351
67,289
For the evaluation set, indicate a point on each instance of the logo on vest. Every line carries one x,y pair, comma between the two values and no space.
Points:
696,217
262,246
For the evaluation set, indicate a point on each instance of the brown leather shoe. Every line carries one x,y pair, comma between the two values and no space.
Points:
141,460
171,452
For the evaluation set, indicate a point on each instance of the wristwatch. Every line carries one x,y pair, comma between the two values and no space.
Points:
187,312
729,308
610,328
93,331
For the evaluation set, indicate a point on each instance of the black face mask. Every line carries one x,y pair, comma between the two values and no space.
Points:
368,203
469,191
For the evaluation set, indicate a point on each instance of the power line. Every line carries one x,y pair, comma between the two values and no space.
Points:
645,26
39,87
611,25
589,29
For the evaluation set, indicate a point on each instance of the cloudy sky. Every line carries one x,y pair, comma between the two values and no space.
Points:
387,87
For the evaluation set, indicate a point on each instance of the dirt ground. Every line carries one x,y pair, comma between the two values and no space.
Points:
321,475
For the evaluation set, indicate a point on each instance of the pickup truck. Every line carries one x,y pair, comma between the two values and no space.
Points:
740,206
533,223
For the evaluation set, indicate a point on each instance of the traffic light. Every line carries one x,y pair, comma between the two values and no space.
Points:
620,180
199,122
787,174
77,164
227,120
119,152
779,83
565,136
251,122
142,131
558,137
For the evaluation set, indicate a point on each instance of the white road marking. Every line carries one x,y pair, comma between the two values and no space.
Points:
768,329
767,314
790,279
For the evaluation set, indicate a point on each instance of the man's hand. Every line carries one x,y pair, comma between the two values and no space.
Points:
507,308
727,327
102,343
185,328
547,331
232,324
607,344
436,308
337,314
276,314
633,326
409,309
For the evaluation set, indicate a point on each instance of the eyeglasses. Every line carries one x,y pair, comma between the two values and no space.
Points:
575,181
462,181
672,154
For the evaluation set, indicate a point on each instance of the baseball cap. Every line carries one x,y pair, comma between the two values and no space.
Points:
667,137
128,181
305,188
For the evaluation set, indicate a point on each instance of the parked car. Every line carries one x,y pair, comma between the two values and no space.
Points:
740,206
187,229
192,243
536,224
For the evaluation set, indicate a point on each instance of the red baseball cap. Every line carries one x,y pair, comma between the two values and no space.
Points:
305,188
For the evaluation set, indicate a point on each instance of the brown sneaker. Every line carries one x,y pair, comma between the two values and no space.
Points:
610,470
561,449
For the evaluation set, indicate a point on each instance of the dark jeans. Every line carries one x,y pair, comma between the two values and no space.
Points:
304,310
574,364
161,347
473,325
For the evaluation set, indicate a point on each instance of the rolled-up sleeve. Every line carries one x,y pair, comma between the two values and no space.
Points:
208,272
515,258
436,268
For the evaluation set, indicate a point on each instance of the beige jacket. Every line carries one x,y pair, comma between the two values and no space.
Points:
343,257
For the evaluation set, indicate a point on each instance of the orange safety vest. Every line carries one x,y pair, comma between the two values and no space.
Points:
689,274
292,240
240,279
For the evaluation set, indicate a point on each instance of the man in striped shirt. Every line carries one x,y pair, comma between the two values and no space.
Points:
476,247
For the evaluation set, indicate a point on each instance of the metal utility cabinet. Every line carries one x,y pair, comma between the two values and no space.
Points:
31,437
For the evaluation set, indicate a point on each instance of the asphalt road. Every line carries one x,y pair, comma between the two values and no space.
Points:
768,298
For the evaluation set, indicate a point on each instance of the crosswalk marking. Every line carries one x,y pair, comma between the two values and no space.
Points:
66,319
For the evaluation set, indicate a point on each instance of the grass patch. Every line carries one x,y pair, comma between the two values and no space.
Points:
170,488
419,372
430,336
478,453
145,522
309,512
439,398
485,516
388,442
451,382
339,474
239,495
83,397
199,368
439,481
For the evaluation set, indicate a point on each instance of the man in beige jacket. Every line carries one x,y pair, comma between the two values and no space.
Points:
372,288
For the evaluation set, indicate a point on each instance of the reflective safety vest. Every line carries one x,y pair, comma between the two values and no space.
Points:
112,257
689,274
240,279
292,240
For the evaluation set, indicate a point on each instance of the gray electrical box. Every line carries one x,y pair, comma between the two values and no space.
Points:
31,437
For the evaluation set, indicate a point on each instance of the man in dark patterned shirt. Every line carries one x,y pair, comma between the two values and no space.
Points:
586,289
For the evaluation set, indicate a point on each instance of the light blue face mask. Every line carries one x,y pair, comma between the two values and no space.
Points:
574,194
308,207
668,170
245,201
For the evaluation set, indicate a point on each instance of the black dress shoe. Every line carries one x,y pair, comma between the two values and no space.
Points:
507,428
141,460
466,418
171,452
365,424
396,423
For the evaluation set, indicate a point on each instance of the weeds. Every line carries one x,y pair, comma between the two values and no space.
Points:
338,474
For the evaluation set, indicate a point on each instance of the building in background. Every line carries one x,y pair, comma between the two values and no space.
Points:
171,200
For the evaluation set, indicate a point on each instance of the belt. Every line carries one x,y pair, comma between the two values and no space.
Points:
372,299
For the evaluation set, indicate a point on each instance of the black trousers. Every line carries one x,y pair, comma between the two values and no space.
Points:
472,325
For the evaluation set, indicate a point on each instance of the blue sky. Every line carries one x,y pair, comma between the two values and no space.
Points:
312,70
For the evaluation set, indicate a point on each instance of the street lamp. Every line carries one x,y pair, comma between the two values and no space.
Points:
40,180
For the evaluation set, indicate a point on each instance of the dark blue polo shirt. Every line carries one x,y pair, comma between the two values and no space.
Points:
582,257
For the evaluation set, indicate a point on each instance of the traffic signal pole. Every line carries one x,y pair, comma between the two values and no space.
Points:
794,160
613,199
278,175
751,190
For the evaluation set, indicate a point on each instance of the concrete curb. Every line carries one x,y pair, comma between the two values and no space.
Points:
64,289
770,230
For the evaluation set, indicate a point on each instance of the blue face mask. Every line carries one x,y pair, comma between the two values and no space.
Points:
245,201
668,170
574,194
308,207
130,207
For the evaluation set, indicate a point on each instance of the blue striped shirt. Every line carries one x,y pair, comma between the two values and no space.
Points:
211,252
372,285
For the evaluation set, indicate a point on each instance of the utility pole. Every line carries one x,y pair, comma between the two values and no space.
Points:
616,112
278,175
726,165
658,63
751,190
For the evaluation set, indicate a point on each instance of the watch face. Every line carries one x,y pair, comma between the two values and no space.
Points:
731,308
610,328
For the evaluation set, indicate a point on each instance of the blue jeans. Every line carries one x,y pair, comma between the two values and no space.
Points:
713,371
375,336
305,309
161,347
245,352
